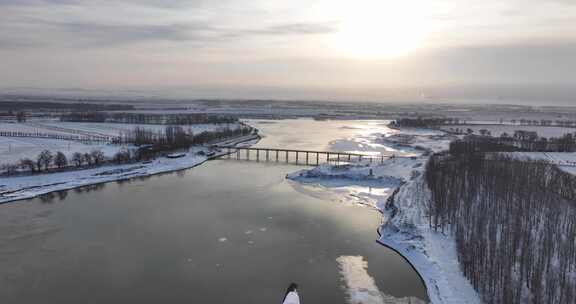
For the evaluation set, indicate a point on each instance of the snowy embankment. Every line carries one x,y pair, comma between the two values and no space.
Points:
405,225
25,187
364,184
431,253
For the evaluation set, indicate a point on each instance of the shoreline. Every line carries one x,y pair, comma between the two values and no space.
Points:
13,189
431,254
404,227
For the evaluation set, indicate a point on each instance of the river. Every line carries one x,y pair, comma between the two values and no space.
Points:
224,232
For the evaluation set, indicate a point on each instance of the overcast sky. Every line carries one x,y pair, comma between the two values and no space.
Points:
288,48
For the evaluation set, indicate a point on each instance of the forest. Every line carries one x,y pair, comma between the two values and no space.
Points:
513,222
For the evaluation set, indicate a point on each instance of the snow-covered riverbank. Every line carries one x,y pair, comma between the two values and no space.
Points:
30,186
396,188
431,253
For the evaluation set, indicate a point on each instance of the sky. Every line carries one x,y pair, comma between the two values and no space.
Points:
317,49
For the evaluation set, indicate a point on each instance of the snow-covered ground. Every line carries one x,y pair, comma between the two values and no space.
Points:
116,129
432,254
12,149
566,161
23,187
405,227
29,186
422,140
352,183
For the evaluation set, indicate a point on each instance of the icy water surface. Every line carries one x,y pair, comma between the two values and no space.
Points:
224,232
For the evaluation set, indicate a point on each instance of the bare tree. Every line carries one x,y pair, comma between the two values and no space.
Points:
78,159
28,164
21,116
97,157
122,156
44,159
9,168
88,159
60,160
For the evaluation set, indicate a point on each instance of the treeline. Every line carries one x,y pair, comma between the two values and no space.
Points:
526,141
432,122
513,222
545,122
179,137
79,106
151,119
420,122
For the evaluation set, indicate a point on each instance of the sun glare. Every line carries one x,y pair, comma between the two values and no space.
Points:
379,29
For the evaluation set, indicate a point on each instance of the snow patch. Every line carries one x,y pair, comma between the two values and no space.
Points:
360,286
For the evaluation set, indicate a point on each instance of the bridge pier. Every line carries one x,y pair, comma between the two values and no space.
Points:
277,155
317,158
296,157
267,152
286,156
257,155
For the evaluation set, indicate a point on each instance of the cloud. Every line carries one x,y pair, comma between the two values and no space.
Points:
75,33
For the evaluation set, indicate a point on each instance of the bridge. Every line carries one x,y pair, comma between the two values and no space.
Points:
302,157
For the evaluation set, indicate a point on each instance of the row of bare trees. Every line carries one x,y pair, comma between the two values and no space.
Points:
47,160
148,118
513,222
432,122
527,141
179,137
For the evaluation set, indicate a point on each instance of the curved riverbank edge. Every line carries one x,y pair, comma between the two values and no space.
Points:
27,187
404,227
432,254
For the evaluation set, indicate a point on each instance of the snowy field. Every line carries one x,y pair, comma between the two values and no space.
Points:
12,149
564,160
116,129
97,129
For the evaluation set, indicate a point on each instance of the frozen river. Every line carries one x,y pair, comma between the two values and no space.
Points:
224,232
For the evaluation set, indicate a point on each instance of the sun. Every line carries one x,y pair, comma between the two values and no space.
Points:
379,29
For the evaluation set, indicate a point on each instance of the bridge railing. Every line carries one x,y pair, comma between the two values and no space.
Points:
304,157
